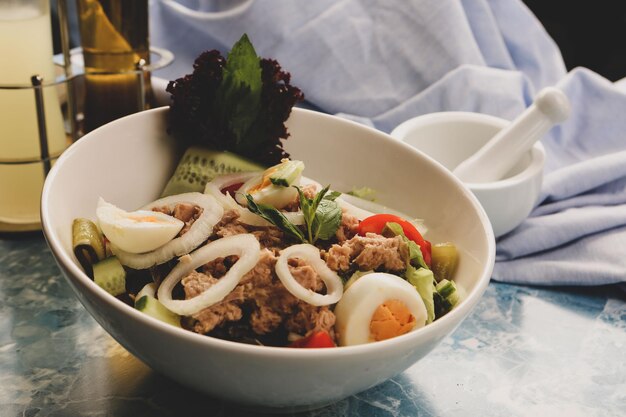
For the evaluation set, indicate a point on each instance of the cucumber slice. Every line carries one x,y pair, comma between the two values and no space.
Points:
153,307
199,166
446,297
286,173
423,281
110,275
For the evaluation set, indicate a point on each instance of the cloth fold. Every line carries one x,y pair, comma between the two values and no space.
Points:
382,62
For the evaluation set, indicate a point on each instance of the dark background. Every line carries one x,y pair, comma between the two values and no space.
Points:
590,33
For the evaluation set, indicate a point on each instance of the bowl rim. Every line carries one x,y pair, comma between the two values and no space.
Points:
69,267
537,152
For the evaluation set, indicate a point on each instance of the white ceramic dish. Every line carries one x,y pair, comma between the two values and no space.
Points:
451,137
129,161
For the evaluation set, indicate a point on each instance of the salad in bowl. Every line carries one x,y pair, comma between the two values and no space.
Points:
270,258
264,276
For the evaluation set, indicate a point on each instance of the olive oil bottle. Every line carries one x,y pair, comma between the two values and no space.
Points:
115,41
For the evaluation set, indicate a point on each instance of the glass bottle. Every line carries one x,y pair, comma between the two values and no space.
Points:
26,50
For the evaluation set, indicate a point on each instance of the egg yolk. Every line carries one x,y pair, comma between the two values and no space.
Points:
144,219
265,181
391,319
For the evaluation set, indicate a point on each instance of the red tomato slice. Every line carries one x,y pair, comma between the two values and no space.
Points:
376,223
319,339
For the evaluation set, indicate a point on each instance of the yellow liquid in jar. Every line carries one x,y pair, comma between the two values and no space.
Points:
26,47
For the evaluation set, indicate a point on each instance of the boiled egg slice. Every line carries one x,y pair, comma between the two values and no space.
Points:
264,191
378,306
137,231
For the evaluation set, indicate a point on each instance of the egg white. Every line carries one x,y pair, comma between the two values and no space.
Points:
272,195
138,231
357,306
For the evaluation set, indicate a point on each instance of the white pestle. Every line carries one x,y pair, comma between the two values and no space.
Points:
504,150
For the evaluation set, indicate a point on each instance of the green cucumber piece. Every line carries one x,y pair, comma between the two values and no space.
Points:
286,173
198,166
110,275
153,307
446,297
423,281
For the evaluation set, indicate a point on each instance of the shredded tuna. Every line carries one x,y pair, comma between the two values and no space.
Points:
309,191
270,237
307,319
207,319
260,291
229,225
187,213
372,252
348,228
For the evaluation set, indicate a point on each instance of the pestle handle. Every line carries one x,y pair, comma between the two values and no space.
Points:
505,149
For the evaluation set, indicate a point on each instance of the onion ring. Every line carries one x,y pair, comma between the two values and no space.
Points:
199,232
246,246
311,254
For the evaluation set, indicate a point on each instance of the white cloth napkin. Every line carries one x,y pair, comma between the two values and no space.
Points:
383,62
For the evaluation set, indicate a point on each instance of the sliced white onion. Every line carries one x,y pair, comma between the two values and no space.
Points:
245,246
361,209
310,254
227,180
350,208
199,231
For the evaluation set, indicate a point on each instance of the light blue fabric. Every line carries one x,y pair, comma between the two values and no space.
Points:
382,62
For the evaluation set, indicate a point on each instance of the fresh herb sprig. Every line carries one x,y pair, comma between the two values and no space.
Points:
275,217
238,104
322,216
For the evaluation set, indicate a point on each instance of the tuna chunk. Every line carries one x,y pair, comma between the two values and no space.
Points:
187,213
269,237
372,252
307,318
309,191
261,293
229,309
261,302
348,227
229,225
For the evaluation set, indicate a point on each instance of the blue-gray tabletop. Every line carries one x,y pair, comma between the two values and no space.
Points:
523,352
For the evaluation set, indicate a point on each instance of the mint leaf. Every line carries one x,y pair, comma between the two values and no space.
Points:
322,215
327,219
275,217
239,94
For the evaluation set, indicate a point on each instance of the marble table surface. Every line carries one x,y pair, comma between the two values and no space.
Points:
524,351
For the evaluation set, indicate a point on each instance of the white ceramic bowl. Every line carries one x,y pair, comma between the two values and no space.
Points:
452,137
129,161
